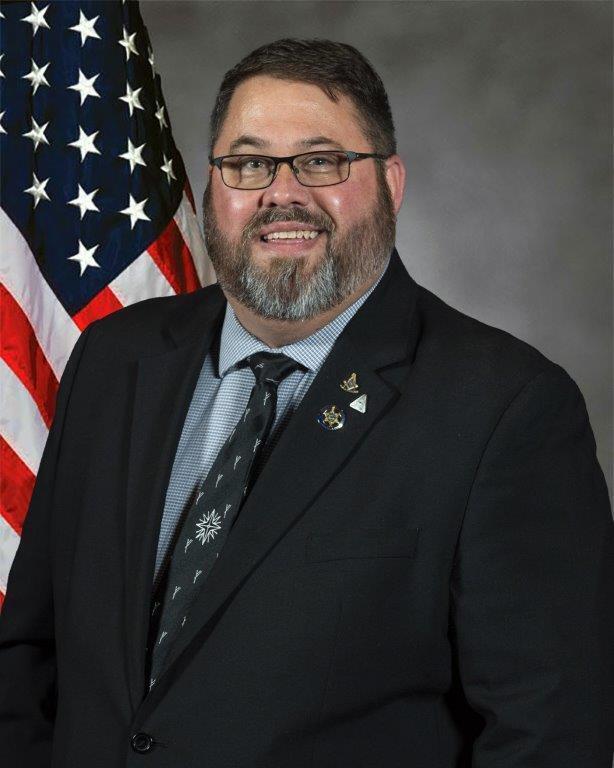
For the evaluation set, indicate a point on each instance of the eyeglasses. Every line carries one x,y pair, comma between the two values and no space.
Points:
311,169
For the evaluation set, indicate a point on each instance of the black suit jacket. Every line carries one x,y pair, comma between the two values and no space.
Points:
430,586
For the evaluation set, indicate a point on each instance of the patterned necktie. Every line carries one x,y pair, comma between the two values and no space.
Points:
214,509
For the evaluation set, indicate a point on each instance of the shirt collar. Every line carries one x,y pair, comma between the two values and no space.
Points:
236,343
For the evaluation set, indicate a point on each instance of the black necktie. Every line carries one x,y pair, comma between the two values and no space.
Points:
214,509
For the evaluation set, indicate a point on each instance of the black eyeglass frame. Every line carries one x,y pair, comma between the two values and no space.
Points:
351,156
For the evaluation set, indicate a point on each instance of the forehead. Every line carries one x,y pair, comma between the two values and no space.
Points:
288,114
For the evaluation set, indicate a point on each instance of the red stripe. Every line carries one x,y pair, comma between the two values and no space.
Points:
16,486
101,305
21,351
188,193
1,598
173,258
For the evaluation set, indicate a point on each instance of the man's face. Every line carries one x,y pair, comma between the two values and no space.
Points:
300,278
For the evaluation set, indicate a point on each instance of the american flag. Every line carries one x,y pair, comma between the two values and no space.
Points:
96,210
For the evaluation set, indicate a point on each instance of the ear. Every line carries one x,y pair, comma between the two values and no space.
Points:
395,177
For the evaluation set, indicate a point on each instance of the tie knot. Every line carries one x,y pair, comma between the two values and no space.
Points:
272,367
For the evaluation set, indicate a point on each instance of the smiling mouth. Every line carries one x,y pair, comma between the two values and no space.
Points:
292,235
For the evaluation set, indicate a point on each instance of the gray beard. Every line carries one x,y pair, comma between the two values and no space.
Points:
285,290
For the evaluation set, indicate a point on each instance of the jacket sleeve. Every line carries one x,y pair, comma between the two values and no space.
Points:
27,646
532,590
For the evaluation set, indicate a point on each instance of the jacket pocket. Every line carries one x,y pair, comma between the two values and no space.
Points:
362,543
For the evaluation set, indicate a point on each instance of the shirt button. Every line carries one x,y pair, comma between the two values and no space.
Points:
142,743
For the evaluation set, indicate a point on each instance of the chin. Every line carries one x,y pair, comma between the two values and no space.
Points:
277,264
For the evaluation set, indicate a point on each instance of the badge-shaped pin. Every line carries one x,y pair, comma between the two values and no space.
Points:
360,404
331,418
350,384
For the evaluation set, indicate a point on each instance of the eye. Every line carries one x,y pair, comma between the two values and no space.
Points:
322,161
251,164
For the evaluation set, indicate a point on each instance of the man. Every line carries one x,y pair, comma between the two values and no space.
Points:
311,515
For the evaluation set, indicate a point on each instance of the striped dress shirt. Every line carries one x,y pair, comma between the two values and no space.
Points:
219,399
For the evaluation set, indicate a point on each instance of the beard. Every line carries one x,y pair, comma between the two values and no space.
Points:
287,288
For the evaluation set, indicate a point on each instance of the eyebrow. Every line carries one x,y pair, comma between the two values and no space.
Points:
248,140
317,140
254,141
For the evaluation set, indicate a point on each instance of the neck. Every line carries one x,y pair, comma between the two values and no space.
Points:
277,333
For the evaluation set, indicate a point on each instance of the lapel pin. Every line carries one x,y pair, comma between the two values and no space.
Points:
350,384
360,404
331,418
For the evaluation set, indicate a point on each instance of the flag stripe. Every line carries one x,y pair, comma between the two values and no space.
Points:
173,259
187,191
21,351
9,541
20,274
21,423
60,246
16,486
187,222
102,304
140,280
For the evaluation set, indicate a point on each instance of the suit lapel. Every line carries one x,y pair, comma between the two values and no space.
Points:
381,335
162,394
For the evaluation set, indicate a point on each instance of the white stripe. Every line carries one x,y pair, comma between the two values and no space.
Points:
21,424
190,232
140,280
53,327
9,541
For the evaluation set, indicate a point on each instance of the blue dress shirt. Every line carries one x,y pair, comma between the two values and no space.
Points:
220,397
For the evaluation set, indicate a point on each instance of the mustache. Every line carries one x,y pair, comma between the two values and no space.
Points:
275,215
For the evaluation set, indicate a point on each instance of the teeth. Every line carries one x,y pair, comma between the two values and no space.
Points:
305,234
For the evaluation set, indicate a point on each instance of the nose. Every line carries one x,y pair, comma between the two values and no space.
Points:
285,190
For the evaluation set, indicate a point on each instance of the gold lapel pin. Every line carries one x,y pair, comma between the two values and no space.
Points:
331,418
360,404
350,384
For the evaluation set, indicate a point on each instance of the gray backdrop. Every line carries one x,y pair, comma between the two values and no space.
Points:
503,116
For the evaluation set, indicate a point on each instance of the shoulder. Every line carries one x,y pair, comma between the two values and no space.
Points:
474,357
143,327
151,315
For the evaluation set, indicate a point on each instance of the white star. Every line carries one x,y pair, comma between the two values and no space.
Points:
37,18
85,257
85,86
132,98
207,528
160,116
1,72
37,190
37,134
1,116
37,75
168,169
85,27
150,59
128,43
135,211
133,155
85,201
85,143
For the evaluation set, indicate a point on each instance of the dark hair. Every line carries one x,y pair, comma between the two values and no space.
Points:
337,68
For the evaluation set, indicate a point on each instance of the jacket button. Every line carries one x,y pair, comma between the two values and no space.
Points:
142,743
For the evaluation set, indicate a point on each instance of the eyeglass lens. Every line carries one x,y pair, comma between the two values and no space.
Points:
315,169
